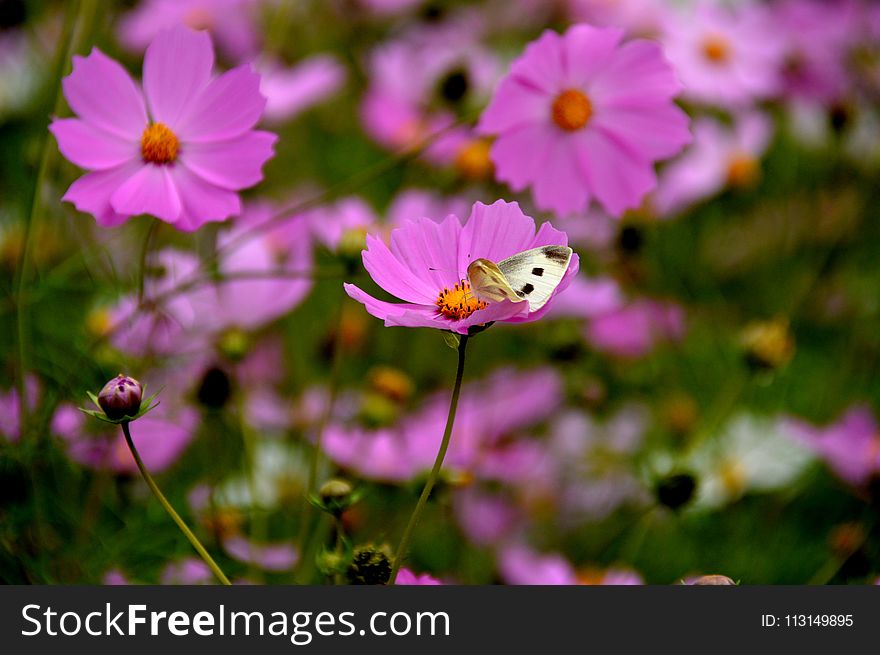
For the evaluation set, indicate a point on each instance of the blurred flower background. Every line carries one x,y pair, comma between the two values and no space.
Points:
702,398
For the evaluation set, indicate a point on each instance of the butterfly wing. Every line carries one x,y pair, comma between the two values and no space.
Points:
534,274
489,284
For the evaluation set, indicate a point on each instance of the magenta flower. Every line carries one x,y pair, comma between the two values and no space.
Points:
426,265
720,156
725,56
290,91
633,330
850,446
180,150
407,577
581,116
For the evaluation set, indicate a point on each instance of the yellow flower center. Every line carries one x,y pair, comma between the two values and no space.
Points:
159,145
472,160
743,171
572,110
716,49
458,303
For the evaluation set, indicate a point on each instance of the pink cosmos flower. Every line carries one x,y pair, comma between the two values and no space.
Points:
10,409
720,156
270,557
407,577
290,91
644,18
635,329
426,264
180,150
520,565
485,518
581,116
482,444
850,445
188,571
725,56
401,110
230,23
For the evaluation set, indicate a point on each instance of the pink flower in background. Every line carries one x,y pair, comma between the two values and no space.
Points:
347,219
520,565
407,577
720,156
850,446
180,150
489,413
485,518
10,409
726,56
816,36
640,18
188,571
230,23
271,557
427,262
589,298
635,329
290,91
401,110
582,116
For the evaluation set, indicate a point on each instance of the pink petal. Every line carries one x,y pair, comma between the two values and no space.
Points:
202,202
638,70
91,193
102,93
513,105
233,164
561,186
397,314
89,147
177,66
429,249
149,191
615,174
392,275
541,64
227,107
586,51
495,232
660,130
508,154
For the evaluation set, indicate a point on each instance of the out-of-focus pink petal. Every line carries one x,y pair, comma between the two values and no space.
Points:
646,72
177,66
89,147
391,274
102,93
233,164
226,107
661,129
618,176
586,51
541,65
149,191
92,192
562,186
519,155
512,105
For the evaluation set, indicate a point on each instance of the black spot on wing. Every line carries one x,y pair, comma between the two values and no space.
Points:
558,254
538,271
527,289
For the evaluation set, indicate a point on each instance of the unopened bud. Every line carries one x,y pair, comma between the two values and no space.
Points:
371,565
336,495
121,397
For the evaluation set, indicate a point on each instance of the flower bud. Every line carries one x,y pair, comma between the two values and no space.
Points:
676,490
336,495
713,580
121,397
371,565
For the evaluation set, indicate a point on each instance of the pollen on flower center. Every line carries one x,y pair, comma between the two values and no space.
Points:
458,303
572,110
716,49
743,171
159,145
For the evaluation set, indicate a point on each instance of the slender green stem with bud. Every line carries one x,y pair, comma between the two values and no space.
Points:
435,471
168,508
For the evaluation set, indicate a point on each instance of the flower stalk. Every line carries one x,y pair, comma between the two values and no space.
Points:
168,508
403,548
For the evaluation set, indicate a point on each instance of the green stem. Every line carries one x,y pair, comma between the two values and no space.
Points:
438,464
168,508
61,59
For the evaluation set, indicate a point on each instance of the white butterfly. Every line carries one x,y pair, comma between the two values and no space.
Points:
530,276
